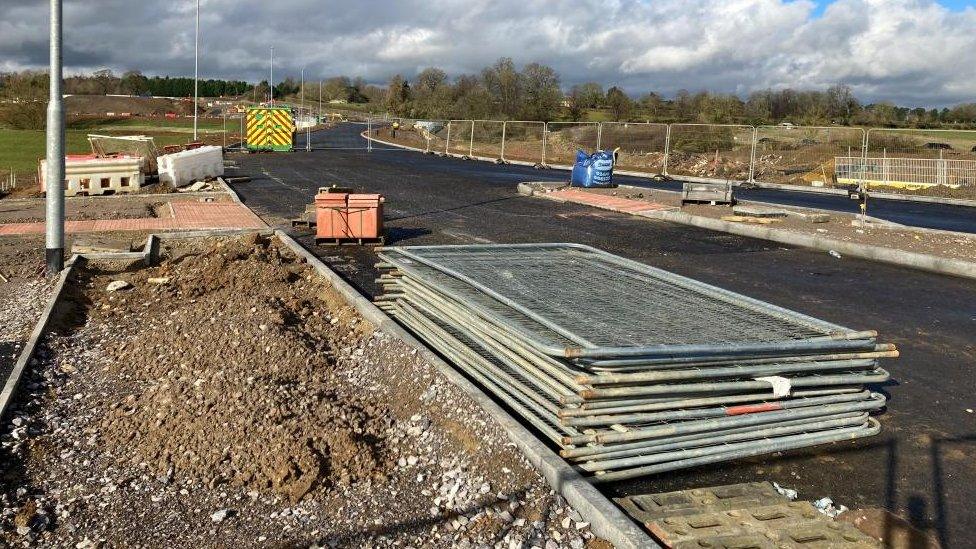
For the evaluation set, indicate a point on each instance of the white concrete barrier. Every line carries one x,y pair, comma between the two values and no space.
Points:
90,175
183,168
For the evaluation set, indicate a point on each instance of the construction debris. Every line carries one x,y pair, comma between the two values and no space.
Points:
752,210
749,219
740,515
629,369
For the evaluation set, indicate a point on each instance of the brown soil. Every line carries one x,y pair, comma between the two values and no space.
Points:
231,397
139,106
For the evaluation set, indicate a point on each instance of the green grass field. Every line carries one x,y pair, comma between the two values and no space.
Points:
20,150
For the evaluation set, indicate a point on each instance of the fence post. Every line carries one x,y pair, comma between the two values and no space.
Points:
599,135
884,166
504,131
447,142
752,155
667,149
471,145
545,136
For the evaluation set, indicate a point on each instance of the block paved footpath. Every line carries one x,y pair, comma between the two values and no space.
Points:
607,202
186,216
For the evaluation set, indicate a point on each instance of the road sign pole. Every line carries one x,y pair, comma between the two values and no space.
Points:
54,236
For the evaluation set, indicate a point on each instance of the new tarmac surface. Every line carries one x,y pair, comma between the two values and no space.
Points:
927,215
921,466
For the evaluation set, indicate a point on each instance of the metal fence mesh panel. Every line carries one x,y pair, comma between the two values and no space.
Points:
929,161
457,137
642,145
607,303
524,141
710,151
488,138
910,174
802,155
563,139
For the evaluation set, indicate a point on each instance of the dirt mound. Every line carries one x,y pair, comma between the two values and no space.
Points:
248,400
138,106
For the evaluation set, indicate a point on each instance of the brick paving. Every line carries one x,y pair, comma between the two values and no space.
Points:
186,215
606,202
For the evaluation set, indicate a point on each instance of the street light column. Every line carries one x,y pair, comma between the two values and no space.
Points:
196,75
54,176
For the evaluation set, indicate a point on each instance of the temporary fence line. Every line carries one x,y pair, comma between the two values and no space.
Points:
795,155
906,173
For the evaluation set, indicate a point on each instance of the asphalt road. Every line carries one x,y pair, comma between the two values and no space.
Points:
919,214
921,466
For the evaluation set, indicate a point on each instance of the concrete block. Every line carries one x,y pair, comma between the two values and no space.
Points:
185,167
752,210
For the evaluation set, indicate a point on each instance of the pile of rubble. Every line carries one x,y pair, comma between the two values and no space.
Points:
230,397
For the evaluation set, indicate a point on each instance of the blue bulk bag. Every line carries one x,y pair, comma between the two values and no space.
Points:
593,170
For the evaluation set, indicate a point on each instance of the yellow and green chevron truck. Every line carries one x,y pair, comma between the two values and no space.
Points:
270,129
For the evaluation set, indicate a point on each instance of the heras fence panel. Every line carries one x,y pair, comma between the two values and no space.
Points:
710,151
524,142
488,135
640,146
459,138
923,175
563,139
898,154
803,155
406,132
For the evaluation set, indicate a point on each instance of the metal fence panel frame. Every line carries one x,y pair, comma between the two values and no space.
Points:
609,140
705,138
556,153
802,150
523,150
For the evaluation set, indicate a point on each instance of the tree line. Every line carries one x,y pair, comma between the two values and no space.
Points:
532,92
33,84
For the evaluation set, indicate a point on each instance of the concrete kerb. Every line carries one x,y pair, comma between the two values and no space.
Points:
230,190
882,196
924,262
606,520
10,387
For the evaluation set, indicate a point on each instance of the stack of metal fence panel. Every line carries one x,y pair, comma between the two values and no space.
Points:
629,369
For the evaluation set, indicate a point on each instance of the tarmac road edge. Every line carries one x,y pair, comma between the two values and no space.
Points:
605,518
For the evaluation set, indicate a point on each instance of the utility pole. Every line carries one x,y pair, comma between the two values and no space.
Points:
196,75
272,76
302,110
320,101
54,216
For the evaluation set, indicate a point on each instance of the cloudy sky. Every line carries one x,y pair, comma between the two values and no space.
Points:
917,52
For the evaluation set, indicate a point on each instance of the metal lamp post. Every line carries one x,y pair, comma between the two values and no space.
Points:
196,75
54,177
271,84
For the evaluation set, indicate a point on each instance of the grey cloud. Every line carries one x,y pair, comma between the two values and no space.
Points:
914,52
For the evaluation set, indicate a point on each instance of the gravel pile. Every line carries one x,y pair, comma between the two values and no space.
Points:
230,397
21,304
